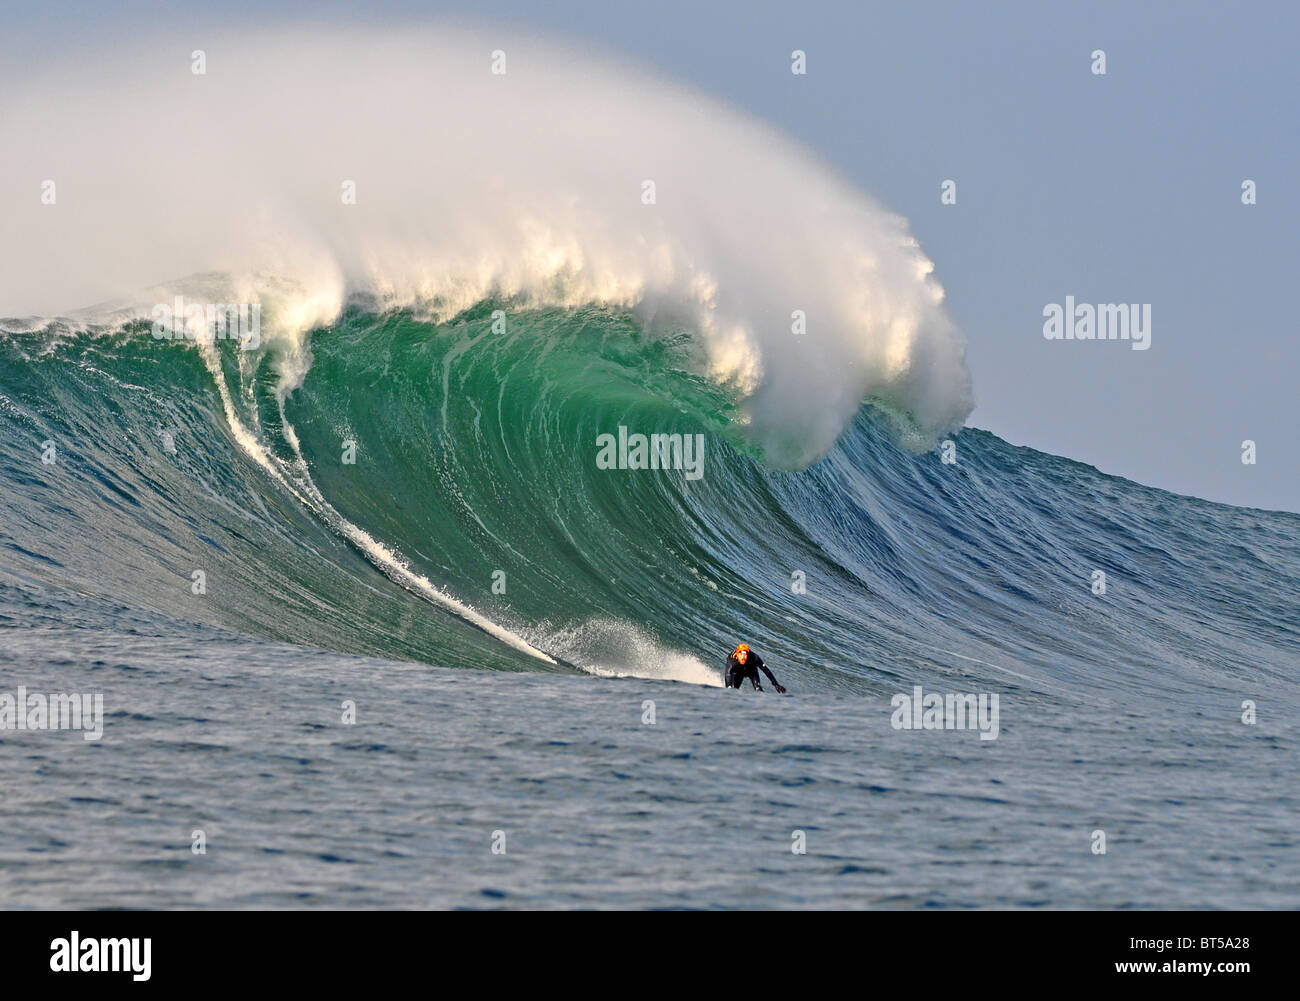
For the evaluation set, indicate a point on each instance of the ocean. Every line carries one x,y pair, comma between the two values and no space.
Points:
549,382
341,737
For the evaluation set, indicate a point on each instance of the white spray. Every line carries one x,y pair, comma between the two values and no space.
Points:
530,183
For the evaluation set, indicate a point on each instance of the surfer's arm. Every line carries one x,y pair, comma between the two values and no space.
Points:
775,684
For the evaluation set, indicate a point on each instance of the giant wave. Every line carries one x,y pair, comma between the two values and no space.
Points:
501,296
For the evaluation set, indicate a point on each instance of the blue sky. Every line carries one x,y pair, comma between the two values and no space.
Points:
1120,188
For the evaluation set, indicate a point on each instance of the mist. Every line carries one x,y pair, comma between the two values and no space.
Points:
528,185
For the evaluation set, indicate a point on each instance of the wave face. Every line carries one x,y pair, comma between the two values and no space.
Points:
476,452
502,294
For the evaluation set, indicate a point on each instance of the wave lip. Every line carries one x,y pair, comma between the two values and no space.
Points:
567,181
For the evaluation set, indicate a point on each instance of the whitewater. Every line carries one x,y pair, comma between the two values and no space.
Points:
465,280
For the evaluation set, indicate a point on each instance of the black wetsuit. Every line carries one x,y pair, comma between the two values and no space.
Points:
748,671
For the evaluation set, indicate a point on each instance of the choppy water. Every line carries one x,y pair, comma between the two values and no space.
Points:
243,740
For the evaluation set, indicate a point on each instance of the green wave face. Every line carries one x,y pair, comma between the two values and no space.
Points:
476,453
475,461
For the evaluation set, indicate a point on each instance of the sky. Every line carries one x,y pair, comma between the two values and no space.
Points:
1117,188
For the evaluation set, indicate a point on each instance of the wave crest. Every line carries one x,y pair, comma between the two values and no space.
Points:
529,187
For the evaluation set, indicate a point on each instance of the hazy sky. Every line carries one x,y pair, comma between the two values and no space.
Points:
1122,188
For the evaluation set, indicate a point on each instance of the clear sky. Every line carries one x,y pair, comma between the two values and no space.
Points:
1116,188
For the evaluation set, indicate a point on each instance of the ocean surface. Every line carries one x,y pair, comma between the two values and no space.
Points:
348,532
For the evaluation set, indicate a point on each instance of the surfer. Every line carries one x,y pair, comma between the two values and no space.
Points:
744,664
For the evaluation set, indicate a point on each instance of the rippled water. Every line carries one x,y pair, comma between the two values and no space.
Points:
243,740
